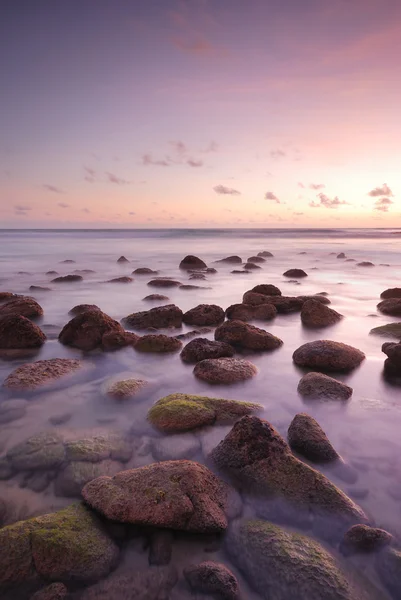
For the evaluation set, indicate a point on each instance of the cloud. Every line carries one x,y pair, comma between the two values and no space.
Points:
194,163
383,204
384,190
196,46
222,189
301,185
179,147
22,207
85,210
298,214
271,196
326,202
52,188
212,147
89,174
147,160
132,213
117,180
316,186
63,205
276,154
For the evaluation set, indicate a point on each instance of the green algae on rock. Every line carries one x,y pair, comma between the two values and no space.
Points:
183,412
391,330
41,451
126,388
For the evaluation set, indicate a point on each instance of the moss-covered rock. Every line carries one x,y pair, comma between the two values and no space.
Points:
151,584
31,376
390,330
70,481
183,412
54,591
42,451
213,578
224,370
158,343
126,389
99,447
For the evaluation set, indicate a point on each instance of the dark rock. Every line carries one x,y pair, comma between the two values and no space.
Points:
195,332
80,308
60,419
54,591
316,314
70,481
22,306
243,335
341,255
164,283
265,254
154,583
236,272
160,547
362,538
52,273
67,279
197,276
365,263
158,343
267,289
202,348
391,306
19,332
392,365
327,355
122,259
192,262
317,297
392,330
6,296
124,279
204,315
224,370
31,376
247,312
154,297
256,259
144,271
212,578
114,340
159,317
295,273
323,387
188,287
37,481
391,293
39,288
68,261
306,437
249,266
283,304
86,330
231,260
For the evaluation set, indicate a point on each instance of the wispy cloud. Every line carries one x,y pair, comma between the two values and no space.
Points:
179,147
117,180
197,46
384,190
89,174
301,185
52,188
22,207
298,214
277,154
222,189
212,147
147,159
316,186
63,205
383,204
194,163
271,196
132,213
86,210
326,202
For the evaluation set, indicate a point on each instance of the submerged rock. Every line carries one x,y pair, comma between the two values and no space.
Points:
316,314
266,289
327,355
23,306
122,259
392,330
144,271
31,376
39,288
181,495
391,293
159,317
388,565
295,273
202,348
70,481
18,332
86,330
42,451
97,448
362,539
224,370
212,578
391,306
124,279
231,260
247,312
192,262
158,343
11,410
365,263
154,297
323,387
183,412
243,335
392,365
81,308
256,259
116,339
195,332
341,255
265,254
204,315
126,389
67,279
249,266
154,583
164,283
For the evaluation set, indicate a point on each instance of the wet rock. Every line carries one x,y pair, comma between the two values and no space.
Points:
283,304
122,259
195,332
37,481
41,451
184,412
181,495
6,469
392,365
23,306
265,254
224,370
54,591
236,272
164,283
31,376
243,335
247,312
158,317
284,565
316,314
266,289
86,330
231,260
327,355
323,387
256,259
51,273
212,578
154,297
126,389
204,315
362,538
306,437
18,332
70,481
391,293
197,276
256,456
154,583
175,447
187,287
84,271
39,288
6,296
192,262
391,306
124,279
97,448
388,565
392,330
295,273
249,266
365,263
211,270
60,419
144,271
202,348
161,548
158,343
68,261
341,255
67,279
114,340
11,410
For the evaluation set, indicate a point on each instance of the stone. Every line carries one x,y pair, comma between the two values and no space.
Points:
85,331
18,332
159,317
202,348
391,330
51,273
341,255
70,481
144,271
265,254
224,370
204,315
60,419
124,279
37,481
99,447
22,306
154,583
243,335
306,437
54,591
39,288
362,539
67,279
81,308
188,287
212,578
164,283
388,565
181,495
327,355
11,410
392,365
41,373
391,306
67,261
158,343
249,266
295,273
126,388
365,263
6,296
192,262
316,314
322,387
175,447
266,289
116,339
391,293
184,412
197,276
256,259
155,297
160,547
237,272
195,332
122,259
247,312
42,451
283,304
231,260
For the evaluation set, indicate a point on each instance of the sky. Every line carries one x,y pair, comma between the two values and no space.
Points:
200,113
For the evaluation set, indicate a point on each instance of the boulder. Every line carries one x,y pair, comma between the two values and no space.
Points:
124,279
144,271
67,279
18,332
39,288
70,481
391,306
280,564
256,259
391,330
392,365
323,387
99,447
316,314
195,332
341,255
224,370
22,306
212,578
204,315
11,410
155,297
154,583
158,343
81,308
41,373
295,273
116,339
362,539
54,591
86,330
192,262
391,293
181,495
243,335
126,388
306,437
202,348
266,289
247,312
365,263
159,317
231,260
184,412
6,296
327,355
249,266
283,304
265,254
122,259
388,565
164,283
39,452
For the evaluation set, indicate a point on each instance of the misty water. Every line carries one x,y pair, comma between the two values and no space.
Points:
365,430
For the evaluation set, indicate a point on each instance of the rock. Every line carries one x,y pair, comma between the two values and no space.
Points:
52,273
243,335
265,254
236,272
161,547
11,410
165,283
316,314
282,565
362,538
224,370
67,279
204,315
42,451
18,332
231,260
283,304
202,348
256,456
392,330
22,306
190,334
154,297
154,583
70,481
68,545
124,279
249,266
295,273
60,419
197,276
341,255
247,312
323,387
391,293
388,565
192,262
256,259
175,447
6,296
86,330
37,481
212,578
114,340
350,260
6,469
84,271
392,365
122,259
31,376
54,591
181,495
68,261
97,448
184,412
327,355
126,389
306,437
158,317
266,289
391,306
187,287
158,343
39,288
365,263
144,271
